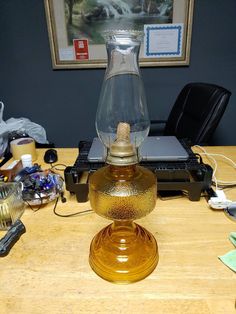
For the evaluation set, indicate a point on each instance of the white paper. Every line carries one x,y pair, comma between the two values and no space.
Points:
66,54
163,40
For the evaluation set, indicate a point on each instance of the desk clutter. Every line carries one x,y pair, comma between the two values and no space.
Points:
23,183
38,186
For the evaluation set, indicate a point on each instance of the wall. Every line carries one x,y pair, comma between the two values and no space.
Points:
65,101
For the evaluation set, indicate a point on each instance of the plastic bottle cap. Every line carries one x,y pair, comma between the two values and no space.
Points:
26,160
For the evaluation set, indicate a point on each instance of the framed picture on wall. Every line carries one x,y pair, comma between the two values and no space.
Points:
77,30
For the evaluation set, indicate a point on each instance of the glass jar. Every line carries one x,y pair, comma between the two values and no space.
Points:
11,203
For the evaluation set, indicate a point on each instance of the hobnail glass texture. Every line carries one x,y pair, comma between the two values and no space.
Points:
11,204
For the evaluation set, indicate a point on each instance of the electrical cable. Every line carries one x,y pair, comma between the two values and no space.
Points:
58,169
63,199
69,215
55,206
40,205
218,183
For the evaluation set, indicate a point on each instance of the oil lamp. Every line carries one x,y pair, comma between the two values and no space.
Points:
123,191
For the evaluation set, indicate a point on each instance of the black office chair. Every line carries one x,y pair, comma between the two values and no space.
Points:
196,113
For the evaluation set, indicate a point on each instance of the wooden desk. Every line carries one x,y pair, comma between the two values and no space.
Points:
47,271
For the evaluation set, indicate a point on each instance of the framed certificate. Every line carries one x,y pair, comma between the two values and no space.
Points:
76,30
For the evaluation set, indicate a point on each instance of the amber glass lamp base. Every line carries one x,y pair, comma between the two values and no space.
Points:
123,252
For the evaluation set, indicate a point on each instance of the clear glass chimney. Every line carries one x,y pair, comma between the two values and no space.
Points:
122,97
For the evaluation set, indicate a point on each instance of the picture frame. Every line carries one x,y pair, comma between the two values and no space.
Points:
76,33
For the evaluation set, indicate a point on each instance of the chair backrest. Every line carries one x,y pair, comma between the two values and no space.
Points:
197,112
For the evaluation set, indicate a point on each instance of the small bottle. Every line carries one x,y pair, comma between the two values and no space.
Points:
26,160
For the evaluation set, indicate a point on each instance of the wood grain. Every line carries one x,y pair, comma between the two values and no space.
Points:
47,271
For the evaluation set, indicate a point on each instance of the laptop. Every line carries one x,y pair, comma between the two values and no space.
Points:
153,148
97,152
162,148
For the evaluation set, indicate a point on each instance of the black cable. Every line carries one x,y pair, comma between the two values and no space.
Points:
63,199
69,215
200,158
58,169
225,186
40,205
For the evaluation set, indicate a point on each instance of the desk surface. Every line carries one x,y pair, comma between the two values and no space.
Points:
48,271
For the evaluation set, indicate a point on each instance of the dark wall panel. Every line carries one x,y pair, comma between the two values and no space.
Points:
64,101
